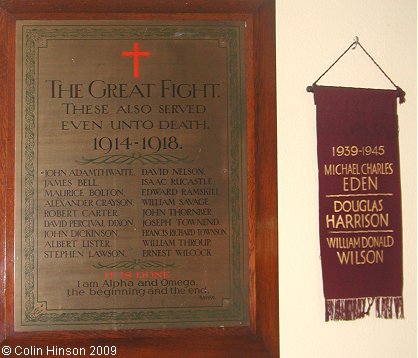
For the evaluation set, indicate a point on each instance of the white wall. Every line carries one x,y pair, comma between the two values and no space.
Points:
311,34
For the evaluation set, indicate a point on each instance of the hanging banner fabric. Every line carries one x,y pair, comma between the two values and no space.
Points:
359,202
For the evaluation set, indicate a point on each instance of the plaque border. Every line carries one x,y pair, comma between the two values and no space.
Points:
261,338
35,37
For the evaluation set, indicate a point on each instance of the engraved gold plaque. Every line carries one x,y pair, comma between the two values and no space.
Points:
131,206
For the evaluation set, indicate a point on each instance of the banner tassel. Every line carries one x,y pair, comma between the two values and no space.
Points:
399,307
389,307
352,309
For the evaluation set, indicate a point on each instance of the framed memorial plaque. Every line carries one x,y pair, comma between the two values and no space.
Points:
139,182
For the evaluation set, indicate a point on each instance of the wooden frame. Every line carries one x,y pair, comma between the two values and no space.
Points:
261,338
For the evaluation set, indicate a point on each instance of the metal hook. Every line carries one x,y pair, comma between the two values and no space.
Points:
355,43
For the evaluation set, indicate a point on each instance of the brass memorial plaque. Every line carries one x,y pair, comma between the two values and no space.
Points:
130,175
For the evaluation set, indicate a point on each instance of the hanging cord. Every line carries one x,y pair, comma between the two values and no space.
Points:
400,91
335,62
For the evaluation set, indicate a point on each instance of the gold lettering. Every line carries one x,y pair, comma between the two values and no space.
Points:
360,184
363,257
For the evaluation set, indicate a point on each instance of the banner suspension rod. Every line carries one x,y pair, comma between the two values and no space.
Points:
353,46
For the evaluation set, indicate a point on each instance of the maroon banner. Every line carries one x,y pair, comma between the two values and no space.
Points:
359,202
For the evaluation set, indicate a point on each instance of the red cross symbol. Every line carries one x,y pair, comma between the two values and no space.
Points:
136,54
